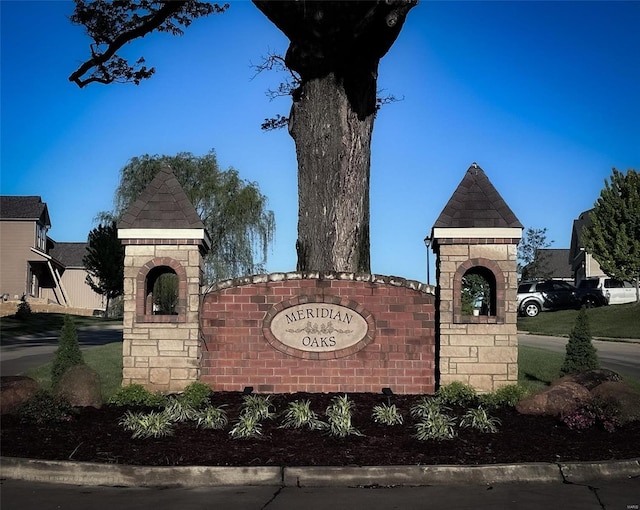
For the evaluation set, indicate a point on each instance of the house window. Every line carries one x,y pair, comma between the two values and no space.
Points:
479,290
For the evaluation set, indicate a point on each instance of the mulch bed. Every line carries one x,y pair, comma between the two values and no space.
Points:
93,435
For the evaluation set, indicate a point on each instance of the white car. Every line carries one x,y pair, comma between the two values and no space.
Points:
617,292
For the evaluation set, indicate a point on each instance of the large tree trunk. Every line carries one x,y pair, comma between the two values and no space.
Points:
333,147
335,48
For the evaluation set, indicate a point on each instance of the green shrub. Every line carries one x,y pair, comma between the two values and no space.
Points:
178,410
248,426
43,407
137,395
480,420
505,396
68,353
299,415
456,393
387,414
211,417
196,394
258,406
145,425
427,406
23,313
580,354
437,426
339,414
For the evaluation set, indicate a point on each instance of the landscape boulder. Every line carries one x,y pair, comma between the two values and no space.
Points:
623,396
15,390
590,379
80,386
557,400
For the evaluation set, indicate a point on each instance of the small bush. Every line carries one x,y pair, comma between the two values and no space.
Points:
456,393
299,415
179,411
258,406
23,313
480,420
437,427
145,425
387,414
426,407
598,411
339,415
68,353
505,396
211,417
137,395
580,353
43,407
247,426
196,394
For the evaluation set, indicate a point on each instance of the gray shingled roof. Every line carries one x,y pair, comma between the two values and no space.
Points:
476,204
555,262
24,208
163,204
69,254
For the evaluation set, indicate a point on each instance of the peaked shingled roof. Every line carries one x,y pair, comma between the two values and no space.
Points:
163,204
476,204
24,208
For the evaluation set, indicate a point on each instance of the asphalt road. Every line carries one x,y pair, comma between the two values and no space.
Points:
621,357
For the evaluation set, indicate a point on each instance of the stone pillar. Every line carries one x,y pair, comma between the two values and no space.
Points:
481,351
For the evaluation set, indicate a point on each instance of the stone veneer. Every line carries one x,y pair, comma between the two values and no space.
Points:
479,351
399,352
161,352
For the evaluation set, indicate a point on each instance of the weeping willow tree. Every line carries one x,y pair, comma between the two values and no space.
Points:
233,210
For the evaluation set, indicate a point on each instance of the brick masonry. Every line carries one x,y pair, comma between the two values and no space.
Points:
399,352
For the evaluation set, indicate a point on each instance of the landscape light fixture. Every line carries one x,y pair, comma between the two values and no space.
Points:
387,392
427,243
248,390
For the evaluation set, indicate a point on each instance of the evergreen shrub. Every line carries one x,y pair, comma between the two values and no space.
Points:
580,354
68,353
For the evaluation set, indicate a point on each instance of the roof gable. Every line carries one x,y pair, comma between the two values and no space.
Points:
476,204
24,208
162,205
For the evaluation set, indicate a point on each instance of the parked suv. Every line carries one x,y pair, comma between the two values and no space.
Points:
536,296
615,291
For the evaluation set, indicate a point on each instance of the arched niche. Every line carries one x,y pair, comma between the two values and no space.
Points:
164,276
493,308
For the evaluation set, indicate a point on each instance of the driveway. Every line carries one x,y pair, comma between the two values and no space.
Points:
622,357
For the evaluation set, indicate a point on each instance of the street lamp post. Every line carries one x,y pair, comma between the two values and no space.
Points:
427,243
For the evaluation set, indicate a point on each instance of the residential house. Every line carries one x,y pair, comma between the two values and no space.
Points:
34,265
583,265
552,263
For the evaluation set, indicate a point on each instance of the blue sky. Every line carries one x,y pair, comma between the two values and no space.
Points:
542,95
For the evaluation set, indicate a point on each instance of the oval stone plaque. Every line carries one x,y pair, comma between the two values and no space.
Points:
318,327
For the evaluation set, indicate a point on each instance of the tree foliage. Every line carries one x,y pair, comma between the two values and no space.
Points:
233,211
580,354
614,234
334,52
476,293
104,262
68,353
532,262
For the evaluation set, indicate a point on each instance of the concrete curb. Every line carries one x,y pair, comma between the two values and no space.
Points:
87,473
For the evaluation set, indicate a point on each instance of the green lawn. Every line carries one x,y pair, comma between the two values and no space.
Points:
616,321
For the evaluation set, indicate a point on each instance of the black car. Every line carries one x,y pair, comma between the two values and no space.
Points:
535,296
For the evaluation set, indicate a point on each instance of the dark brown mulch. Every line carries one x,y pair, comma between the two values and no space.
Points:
95,436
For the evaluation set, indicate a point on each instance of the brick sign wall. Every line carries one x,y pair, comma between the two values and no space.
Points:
319,333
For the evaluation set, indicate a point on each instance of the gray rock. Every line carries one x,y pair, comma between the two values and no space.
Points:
15,390
623,396
557,400
80,385
591,378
